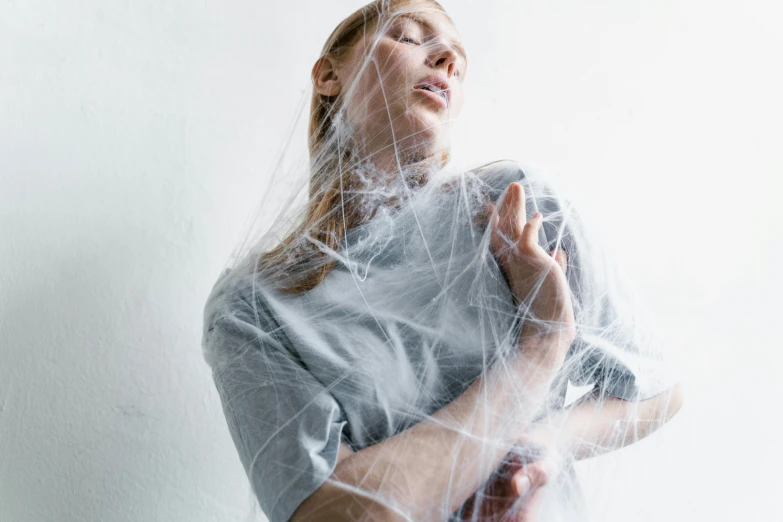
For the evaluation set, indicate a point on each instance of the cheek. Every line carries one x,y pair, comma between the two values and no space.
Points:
395,66
380,90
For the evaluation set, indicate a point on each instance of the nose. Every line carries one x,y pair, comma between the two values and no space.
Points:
443,56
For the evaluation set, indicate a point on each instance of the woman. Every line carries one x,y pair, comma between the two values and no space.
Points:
403,352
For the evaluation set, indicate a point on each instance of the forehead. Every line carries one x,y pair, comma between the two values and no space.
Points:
430,18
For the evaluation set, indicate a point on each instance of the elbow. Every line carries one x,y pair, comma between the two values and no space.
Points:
677,398
672,402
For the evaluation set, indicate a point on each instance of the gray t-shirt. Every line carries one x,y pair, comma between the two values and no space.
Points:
414,311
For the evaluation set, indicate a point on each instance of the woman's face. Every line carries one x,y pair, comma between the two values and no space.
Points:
402,99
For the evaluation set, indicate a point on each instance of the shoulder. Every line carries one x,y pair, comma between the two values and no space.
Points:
497,175
242,319
238,296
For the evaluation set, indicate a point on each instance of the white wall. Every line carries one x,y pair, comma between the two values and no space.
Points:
134,142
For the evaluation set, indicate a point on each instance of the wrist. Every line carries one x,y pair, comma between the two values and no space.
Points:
546,349
539,454
553,433
561,332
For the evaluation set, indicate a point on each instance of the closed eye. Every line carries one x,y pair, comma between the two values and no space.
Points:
408,40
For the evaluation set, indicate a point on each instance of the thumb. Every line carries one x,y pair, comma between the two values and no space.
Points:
528,478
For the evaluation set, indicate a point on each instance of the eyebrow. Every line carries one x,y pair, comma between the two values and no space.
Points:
431,28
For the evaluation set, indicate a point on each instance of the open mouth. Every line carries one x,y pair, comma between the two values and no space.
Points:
437,91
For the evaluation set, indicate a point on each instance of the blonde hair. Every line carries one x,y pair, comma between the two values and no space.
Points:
301,260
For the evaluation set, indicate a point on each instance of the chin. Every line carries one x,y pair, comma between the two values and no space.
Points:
425,131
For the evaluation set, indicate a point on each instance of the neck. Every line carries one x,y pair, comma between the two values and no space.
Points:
394,159
387,152
375,187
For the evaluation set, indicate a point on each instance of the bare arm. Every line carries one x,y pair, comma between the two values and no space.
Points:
595,425
444,458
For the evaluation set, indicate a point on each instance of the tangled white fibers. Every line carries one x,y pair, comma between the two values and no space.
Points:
398,342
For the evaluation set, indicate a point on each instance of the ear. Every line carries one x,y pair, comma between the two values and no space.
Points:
325,80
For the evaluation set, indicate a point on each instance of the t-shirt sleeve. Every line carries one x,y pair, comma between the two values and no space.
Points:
285,425
615,349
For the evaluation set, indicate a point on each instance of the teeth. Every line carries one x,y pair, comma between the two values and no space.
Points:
436,90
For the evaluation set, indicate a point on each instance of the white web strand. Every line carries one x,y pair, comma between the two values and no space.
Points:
413,311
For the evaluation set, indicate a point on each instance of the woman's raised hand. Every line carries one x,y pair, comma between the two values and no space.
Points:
537,279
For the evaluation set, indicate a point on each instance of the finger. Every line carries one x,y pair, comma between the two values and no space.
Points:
506,199
521,484
519,210
528,478
561,257
530,231
512,211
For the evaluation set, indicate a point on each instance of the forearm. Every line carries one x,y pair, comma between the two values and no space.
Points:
437,464
594,426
